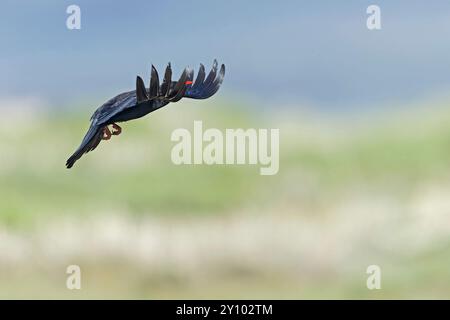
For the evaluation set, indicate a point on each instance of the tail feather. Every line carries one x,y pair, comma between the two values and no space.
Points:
89,143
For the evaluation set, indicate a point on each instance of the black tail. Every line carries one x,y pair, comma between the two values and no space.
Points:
89,143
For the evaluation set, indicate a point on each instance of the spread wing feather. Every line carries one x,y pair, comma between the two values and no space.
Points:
180,87
169,91
200,78
165,87
154,84
141,92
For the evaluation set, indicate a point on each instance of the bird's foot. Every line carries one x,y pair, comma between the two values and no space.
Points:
117,130
106,133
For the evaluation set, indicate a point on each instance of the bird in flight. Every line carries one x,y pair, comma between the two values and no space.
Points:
140,102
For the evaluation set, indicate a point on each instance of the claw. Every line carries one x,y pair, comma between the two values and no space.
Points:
117,130
106,134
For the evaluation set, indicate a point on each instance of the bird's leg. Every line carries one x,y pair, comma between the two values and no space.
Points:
106,134
117,129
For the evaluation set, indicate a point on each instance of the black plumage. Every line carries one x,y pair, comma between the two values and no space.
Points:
140,102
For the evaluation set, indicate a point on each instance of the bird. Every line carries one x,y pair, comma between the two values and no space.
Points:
142,101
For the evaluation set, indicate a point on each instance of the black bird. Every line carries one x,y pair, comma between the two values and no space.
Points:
140,102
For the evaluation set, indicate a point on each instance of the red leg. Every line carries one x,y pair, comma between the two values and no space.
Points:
117,129
106,134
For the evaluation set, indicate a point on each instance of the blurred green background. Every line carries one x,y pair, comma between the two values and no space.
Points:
364,173
349,193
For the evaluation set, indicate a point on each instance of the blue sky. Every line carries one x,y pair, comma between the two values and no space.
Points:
284,52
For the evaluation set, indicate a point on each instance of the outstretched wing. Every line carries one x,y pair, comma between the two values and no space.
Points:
141,95
168,91
205,88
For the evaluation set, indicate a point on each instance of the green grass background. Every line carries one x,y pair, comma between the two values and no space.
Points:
372,187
